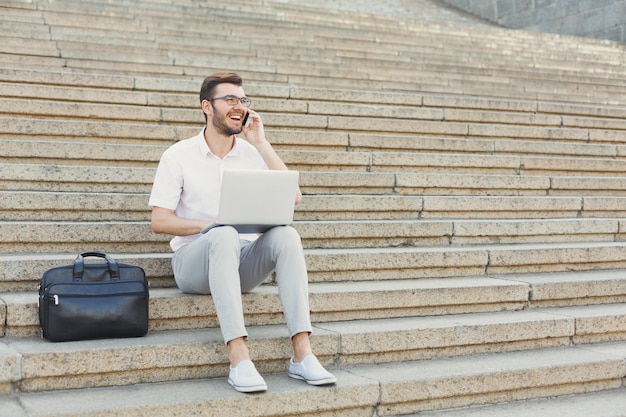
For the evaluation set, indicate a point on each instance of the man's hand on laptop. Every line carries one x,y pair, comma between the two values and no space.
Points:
298,196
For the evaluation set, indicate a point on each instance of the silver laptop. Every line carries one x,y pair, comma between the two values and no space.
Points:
254,201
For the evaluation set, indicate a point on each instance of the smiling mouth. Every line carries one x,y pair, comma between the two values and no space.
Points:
235,116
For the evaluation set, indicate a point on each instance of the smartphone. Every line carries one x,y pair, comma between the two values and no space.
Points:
246,120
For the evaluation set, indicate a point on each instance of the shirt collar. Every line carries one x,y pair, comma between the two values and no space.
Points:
206,151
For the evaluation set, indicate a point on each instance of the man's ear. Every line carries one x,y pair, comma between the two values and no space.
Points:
207,108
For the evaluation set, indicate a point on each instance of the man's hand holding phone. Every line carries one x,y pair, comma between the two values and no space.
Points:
252,128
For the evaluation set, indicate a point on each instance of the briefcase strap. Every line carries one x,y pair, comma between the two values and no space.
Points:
79,265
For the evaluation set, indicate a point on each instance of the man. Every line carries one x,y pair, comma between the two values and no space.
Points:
221,262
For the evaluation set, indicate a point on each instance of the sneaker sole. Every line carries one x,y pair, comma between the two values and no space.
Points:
317,382
247,390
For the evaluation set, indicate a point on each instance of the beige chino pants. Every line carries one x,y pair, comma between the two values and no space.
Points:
220,264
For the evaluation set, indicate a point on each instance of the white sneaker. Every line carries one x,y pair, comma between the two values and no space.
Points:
245,378
311,371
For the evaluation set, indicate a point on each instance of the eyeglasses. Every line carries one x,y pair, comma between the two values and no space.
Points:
233,100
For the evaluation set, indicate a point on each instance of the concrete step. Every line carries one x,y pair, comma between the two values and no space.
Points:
37,47
138,237
493,207
21,272
514,376
397,340
510,185
339,301
105,179
487,156
362,390
132,207
408,386
523,165
403,143
562,289
129,133
344,301
346,234
307,150
52,152
129,207
89,153
427,262
183,124
609,403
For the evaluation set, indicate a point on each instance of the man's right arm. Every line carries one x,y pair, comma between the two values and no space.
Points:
166,221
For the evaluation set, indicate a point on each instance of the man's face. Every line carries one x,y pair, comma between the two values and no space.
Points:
227,119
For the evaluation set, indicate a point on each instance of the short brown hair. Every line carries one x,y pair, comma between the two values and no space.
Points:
213,80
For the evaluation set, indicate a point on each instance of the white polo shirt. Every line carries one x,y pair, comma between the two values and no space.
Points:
189,176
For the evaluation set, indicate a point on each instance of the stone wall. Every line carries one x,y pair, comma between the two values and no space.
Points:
602,19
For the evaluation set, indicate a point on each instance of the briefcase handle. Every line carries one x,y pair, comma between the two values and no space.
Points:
79,265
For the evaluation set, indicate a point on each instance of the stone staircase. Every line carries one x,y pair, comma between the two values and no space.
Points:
464,214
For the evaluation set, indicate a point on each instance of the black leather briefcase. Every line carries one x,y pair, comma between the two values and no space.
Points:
93,300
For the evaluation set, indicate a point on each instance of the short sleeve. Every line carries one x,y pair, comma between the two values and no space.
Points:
168,184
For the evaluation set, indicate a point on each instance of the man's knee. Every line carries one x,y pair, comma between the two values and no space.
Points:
285,232
286,237
223,235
